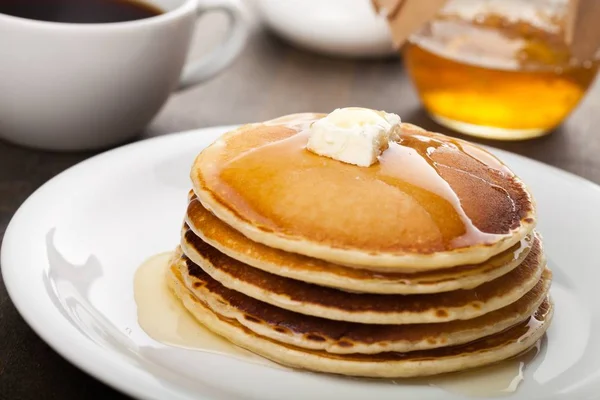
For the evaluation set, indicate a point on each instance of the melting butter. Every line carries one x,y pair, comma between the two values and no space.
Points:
353,135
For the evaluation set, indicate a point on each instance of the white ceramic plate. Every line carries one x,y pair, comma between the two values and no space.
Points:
70,253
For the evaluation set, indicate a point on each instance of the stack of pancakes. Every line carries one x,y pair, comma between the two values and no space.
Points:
424,263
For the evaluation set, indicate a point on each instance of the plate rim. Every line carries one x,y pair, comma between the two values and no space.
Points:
99,362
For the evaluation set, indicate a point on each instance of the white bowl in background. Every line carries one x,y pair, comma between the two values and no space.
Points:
349,28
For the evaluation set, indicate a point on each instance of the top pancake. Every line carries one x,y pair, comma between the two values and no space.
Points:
430,202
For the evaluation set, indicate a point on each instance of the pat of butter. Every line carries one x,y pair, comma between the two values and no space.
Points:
353,135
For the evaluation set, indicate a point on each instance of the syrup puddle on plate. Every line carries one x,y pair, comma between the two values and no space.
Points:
164,319
495,380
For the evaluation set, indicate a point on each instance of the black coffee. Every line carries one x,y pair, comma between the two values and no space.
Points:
79,11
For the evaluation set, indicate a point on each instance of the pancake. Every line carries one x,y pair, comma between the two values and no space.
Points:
291,265
491,349
346,337
430,202
367,308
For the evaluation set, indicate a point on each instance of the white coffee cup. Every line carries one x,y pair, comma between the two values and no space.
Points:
70,86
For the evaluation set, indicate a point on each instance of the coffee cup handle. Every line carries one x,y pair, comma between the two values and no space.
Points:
197,71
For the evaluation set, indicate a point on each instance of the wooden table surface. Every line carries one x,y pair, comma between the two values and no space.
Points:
270,79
